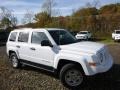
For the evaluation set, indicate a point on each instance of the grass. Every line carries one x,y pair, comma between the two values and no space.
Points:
107,40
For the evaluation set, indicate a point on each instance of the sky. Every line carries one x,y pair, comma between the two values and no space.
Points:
65,7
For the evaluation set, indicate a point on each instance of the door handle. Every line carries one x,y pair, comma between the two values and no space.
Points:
18,46
32,48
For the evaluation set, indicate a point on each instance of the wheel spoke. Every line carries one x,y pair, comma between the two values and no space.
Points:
73,77
14,61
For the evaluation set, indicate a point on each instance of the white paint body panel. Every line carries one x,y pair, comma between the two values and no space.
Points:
82,53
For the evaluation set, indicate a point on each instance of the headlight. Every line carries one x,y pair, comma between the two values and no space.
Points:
94,61
92,64
97,59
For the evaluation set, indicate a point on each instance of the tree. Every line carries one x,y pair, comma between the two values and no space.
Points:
42,19
110,9
14,21
48,7
88,5
5,22
99,21
96,3
7,18
28,17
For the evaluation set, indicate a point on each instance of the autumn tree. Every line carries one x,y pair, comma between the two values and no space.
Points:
42,19
99,21
7,18
46,17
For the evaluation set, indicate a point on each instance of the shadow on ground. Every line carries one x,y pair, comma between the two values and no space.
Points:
106,81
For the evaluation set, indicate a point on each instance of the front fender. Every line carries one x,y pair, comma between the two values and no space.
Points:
76,58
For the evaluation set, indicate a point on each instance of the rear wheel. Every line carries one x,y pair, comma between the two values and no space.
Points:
14,60
71,76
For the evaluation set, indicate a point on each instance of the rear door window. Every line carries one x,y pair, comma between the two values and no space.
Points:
23,37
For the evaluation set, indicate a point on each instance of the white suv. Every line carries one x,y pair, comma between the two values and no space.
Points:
116,35
84,35
56,50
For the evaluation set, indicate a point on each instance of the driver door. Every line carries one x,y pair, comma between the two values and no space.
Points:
40,54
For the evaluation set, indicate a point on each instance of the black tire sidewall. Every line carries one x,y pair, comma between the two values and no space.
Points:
63,72
87,38
18,64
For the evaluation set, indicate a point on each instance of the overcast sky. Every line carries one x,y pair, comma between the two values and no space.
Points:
65,7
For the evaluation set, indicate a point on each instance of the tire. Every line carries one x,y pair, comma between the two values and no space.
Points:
68,74
15,63
87,39
115,40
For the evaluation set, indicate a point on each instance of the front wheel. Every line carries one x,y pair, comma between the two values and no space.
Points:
87,38
71,76
115,40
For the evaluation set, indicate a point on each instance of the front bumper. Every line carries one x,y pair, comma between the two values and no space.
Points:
81,37
117,38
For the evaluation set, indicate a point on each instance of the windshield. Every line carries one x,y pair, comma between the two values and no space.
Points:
82,32
118,32
62,37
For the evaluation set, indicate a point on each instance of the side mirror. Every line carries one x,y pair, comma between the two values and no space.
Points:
46,43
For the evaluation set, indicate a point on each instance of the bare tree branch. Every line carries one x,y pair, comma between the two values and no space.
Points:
28,17
7,18
48,6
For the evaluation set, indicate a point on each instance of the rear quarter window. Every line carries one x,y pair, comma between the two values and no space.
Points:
13,36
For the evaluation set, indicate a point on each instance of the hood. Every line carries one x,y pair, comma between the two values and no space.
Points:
84,47
118,35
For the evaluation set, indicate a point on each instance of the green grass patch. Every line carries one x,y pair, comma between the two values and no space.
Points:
108,40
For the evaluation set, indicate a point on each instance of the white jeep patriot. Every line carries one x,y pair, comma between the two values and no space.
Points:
56,50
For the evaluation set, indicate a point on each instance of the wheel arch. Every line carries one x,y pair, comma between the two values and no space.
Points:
63,62
12,51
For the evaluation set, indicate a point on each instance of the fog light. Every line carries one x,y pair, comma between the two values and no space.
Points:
92,64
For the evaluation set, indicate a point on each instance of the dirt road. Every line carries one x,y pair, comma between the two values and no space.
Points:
28,78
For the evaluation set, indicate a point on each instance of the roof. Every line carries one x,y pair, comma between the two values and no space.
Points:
84,31
32,29
117,30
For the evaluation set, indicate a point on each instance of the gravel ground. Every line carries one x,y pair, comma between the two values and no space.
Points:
28,78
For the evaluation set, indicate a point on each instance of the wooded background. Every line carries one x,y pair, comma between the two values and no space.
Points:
100,21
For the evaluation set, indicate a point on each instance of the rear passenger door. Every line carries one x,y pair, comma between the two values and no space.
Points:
22,45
